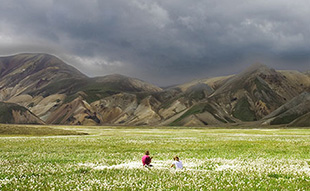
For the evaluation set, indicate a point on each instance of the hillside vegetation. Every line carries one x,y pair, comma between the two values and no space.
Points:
21,130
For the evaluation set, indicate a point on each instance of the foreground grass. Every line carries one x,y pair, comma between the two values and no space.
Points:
109,159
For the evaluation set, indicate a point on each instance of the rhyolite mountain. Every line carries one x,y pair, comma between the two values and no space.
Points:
52,92
295,112
43,84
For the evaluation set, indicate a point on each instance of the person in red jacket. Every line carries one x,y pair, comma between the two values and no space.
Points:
146,159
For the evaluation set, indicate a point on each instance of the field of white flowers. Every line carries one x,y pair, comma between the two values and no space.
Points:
110,159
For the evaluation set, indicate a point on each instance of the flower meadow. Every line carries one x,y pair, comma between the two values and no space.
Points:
110,159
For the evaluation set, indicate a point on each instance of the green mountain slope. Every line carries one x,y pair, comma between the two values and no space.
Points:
13,113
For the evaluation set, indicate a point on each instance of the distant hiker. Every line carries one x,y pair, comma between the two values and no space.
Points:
177,163
146,159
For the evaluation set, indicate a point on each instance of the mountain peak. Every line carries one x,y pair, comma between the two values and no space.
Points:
115,76
35,62
126,81
112,78
245,78
34,54
257,67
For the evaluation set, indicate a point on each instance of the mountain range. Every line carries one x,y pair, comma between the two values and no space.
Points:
42,89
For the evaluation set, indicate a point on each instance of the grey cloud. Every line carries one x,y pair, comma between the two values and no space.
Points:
161,41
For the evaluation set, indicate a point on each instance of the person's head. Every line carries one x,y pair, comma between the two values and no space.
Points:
147,152
176,158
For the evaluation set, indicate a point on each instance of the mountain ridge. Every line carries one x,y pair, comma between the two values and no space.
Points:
57,93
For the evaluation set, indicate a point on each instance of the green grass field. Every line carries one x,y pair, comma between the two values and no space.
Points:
109,158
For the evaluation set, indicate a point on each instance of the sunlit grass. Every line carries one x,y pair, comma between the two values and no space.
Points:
109,158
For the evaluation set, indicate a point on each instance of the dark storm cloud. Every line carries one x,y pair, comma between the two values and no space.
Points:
157,40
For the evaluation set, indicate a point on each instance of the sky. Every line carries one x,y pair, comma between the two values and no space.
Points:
164,42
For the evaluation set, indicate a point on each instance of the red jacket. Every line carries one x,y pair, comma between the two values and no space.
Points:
146,160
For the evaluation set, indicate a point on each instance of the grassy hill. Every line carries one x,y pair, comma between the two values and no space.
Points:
34,130
13,113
